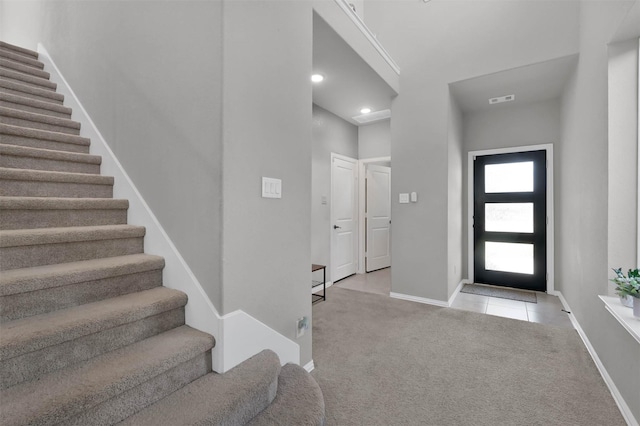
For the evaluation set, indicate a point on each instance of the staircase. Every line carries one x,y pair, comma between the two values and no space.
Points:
88,334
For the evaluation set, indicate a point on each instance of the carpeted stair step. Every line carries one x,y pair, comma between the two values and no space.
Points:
20,56
13,135
14,88
113,386
299,401
42,289
232,398
38,345
25,69
34,105
18,157
16,117
18,50
27,79
25,248
39,183
50,212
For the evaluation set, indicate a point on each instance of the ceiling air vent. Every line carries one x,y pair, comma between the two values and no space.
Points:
507,98
372,116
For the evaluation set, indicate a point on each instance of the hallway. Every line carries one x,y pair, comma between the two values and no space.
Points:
548,309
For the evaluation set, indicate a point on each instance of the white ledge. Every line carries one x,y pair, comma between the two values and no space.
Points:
344,5
623,314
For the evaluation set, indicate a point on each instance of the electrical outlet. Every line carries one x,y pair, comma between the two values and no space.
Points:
302,325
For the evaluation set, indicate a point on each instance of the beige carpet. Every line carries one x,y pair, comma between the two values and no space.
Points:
382,361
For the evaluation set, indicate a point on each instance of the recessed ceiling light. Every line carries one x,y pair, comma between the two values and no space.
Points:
365,110
317,78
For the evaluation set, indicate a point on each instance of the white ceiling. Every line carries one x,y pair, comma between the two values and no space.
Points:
532,83
350,83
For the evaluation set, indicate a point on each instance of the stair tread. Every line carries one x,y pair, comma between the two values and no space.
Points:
37,332
25,78
231,398
8,129
23,280
18,57
49,176
32,90
65,393
22,151
27,237
23,68
54,203
19,49
299,400
39,118
8,97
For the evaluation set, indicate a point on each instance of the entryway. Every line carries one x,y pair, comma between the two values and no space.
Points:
509,218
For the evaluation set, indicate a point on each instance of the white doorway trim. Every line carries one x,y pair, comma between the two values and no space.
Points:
550,230
362,170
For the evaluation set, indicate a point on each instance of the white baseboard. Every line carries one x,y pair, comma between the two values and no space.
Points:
319,288
233,331
424,300
244,336
457,290
310,366
617,397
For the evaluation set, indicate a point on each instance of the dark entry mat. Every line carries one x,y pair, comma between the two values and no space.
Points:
503,293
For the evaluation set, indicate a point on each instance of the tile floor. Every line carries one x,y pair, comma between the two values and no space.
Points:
548,310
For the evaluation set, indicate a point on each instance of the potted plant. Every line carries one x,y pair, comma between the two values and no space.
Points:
628,288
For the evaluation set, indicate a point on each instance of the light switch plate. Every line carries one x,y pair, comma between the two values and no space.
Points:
404,198
414,197
271,188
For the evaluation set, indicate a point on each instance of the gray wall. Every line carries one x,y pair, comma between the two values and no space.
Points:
455,201
507,126
267,116
141,72
330,134
581,211
463,48
374,140
623,154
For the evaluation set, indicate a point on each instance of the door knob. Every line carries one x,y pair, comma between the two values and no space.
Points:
337,227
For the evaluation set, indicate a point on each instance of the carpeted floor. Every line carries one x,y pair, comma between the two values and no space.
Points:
383,361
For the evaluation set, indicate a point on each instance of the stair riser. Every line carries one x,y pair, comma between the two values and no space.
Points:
49,254
37,96
17,188
31,219
133,400
12,121
25,69
51,299
27,80
43,144
34,364
21,58
29,108
33,163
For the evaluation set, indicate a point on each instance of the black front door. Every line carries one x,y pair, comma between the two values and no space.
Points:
510,220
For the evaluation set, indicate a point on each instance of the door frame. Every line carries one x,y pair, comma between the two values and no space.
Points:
362,171
550,225
356,227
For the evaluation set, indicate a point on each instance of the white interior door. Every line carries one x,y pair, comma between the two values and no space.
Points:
378,217
344,248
